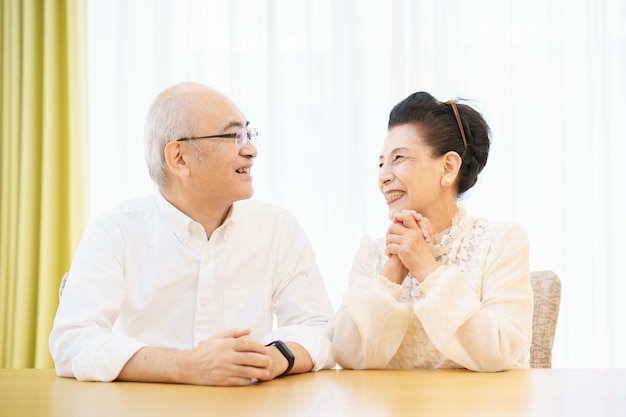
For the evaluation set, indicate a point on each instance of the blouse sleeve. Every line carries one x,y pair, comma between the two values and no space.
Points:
486,332
371,322
490,333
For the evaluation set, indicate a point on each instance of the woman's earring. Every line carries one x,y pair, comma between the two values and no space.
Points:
446,181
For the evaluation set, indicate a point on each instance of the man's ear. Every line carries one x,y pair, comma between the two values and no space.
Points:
176,159
451,166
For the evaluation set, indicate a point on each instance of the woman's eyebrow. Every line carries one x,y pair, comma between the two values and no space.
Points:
395,150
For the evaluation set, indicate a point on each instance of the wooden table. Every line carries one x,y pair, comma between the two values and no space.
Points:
532,392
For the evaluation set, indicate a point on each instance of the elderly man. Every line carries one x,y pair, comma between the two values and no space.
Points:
184,286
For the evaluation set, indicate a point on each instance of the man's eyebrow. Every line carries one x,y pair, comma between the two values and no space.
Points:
234,123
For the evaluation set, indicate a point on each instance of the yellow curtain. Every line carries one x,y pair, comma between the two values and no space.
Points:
42,145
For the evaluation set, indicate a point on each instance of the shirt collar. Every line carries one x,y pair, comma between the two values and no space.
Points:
225,228
184,227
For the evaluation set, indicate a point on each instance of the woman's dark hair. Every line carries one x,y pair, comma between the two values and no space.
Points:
442,134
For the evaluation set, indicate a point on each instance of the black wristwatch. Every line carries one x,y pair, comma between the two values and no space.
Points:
282,347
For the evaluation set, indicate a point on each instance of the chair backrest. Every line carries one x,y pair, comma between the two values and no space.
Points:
547,294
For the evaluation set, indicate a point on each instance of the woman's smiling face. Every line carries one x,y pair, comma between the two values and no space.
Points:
409,177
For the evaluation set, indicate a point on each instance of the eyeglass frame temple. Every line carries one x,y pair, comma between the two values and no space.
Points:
223,135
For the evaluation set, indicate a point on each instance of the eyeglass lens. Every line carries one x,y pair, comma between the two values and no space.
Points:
244,134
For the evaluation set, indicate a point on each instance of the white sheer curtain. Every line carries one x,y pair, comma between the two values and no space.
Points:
318,78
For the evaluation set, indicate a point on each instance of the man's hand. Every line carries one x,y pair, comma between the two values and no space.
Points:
228,358
303,362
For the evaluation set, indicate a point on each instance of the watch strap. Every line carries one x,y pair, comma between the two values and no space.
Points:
286,352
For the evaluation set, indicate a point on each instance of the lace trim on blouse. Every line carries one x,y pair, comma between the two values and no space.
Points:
460,244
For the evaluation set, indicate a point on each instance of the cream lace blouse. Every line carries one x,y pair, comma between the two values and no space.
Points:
475,310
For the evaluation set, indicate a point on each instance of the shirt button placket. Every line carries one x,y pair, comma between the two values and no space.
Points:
204,298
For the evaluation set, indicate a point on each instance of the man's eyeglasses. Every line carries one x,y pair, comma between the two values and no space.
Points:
241,136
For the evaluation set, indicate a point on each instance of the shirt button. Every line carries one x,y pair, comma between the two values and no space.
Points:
202,302
420,295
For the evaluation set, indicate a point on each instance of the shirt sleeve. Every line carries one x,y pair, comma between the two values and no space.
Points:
300,298
81,342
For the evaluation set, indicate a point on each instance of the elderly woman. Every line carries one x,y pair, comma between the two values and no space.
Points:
442,289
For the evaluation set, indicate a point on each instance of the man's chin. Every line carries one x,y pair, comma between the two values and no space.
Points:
246,196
